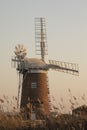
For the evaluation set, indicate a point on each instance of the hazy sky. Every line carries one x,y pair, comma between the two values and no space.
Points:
66,24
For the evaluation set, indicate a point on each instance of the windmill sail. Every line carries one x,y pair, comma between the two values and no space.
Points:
66,67
40,37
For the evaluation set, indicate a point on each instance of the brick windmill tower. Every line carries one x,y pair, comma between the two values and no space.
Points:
33,73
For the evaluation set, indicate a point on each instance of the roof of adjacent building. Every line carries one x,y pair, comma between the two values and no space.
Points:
80,108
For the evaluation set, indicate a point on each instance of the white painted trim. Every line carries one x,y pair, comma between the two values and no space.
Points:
37,71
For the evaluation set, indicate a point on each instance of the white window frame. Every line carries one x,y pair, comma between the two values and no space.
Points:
33,85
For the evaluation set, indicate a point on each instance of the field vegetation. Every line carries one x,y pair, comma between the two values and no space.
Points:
12,120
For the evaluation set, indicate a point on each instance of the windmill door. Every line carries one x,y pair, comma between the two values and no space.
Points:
33,115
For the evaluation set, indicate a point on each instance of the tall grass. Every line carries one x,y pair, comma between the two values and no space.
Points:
11,120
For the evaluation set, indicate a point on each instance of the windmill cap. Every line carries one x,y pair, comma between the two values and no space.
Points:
33,63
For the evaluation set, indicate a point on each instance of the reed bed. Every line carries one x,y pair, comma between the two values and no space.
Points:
15,121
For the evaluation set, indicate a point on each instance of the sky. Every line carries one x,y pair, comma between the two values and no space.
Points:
66,25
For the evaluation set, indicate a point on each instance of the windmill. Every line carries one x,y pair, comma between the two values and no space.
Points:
35,89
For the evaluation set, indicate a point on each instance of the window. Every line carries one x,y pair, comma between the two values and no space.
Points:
33,85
